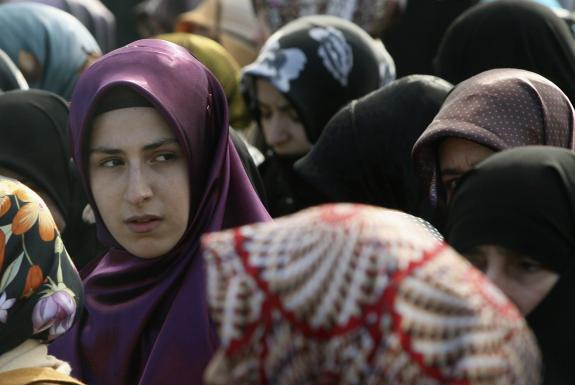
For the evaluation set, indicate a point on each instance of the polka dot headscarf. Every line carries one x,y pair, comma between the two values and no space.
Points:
499,109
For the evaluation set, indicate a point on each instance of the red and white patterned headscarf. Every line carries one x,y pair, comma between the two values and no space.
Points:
351,294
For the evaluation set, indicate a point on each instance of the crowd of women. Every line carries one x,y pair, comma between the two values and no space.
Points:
287,193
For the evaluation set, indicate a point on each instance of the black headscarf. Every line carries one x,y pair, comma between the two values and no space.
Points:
509,34
524,200
34,145
364,153
10,76
414,39
319,63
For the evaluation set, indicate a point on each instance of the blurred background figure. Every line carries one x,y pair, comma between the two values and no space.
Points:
91,13
509,34
34,150
363,155
10,76
304,74
232,23
49,46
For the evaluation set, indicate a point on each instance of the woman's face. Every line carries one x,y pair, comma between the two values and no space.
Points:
524,280
456,157
139,180
283,131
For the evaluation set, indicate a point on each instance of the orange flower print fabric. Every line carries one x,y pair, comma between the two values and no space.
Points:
40,289
33,210
352,294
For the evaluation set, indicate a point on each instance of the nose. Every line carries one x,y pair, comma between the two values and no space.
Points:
497,276
276,132
138,189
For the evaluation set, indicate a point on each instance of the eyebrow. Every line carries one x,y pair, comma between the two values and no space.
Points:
147,147
285,107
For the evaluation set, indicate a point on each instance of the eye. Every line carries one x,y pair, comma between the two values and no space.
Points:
478,260
265,114
110,162
294,116
529,265
450,185
165,157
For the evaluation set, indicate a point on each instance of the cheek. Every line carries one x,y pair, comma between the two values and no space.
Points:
537,290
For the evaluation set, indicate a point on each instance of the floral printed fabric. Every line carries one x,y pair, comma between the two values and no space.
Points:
40,290
351,294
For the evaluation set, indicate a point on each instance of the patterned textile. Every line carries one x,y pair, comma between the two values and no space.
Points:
317,56
499,109
351,294
40,290
368,14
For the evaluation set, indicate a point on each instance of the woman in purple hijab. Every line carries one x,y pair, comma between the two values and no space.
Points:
149,129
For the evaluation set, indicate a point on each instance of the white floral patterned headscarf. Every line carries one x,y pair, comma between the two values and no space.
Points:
315,57
40,289
351,294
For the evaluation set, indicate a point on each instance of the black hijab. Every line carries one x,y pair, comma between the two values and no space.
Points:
34,145
364,153
524,200
10,76
509,34
319,63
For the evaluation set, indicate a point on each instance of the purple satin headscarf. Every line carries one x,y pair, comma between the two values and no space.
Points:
146,321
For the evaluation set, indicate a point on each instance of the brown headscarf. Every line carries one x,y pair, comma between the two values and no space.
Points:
499,109
352,294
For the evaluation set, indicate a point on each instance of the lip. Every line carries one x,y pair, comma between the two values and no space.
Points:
142,224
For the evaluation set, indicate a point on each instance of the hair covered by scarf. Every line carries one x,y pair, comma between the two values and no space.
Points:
348,294
49,46
499,109
40,290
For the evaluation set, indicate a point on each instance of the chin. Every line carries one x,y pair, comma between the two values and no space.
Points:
148,250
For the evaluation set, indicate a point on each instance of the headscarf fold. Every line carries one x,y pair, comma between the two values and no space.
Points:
509,34
147,320
499,109
48,45
317,56
368,14
91,13
364,153
524,200
223,66
40,290
10,76
352,294
34,145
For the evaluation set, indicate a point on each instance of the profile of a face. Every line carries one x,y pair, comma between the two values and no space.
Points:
456,156
282,128
525,281
139,180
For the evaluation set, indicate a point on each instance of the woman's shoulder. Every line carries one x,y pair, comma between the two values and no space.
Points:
36,376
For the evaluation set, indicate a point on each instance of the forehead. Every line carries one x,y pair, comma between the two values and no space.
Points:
129,126
268,94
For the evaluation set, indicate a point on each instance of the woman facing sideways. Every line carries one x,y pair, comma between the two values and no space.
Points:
149,128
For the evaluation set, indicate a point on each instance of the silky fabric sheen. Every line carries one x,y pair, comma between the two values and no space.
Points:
146,320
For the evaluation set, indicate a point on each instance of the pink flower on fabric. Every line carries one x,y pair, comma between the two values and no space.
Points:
54,311
5,304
